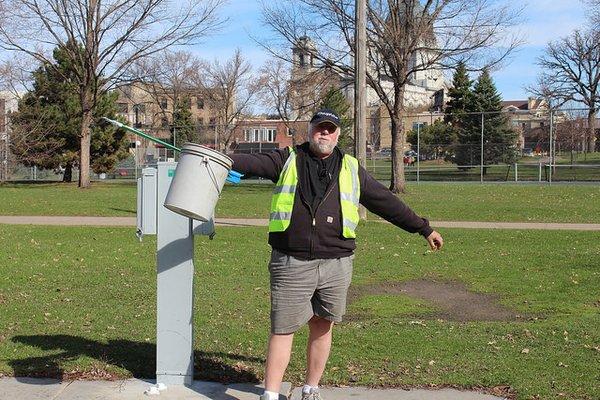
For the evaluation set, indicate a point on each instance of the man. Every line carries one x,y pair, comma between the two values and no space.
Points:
314,213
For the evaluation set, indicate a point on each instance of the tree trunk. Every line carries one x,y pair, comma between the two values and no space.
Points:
398,181
68,174
84,151
591,136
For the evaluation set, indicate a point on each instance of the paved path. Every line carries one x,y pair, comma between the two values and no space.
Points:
130,221
134,389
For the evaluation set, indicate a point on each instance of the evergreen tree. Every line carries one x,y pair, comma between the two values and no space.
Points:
334,100
499,139
183,129
460,97
438,140
47,124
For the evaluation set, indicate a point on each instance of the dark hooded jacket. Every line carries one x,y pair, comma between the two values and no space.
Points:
315,229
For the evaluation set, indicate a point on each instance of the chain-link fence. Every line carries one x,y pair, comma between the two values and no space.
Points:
515,145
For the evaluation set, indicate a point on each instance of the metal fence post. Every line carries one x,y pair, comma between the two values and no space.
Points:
481,161
540,172
551,148
418,150
516,172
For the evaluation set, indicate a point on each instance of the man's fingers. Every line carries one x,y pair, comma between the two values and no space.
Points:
432,244
435,241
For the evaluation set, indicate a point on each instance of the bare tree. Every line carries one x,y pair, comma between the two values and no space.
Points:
103,39
231,89
404,37
571,133
594,15
167,77
571,73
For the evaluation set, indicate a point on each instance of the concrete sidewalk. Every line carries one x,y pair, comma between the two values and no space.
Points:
131,221
133,389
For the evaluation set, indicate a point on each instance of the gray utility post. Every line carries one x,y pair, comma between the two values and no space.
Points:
175,274
360,83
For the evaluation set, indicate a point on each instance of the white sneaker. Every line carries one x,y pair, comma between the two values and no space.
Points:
313,395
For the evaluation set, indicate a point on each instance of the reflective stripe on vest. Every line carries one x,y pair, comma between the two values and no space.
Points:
282,201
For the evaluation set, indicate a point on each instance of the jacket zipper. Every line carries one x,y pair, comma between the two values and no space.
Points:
314,219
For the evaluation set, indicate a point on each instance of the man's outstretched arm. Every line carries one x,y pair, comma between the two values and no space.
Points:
264,165
381,201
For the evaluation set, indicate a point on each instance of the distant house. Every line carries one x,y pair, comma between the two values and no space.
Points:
531,119
260,134
150,108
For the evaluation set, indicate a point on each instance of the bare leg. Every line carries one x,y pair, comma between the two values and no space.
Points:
317,352
278,357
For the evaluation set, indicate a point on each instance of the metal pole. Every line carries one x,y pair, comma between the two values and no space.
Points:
516,172
418,150
360,83
135,158
540,172
550,152
481,161
216,138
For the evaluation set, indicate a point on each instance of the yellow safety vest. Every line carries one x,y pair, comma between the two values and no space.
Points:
284,193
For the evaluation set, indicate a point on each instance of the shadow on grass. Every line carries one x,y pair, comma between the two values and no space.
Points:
129,211
139,358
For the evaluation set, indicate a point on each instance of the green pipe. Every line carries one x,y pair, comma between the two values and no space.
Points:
142,134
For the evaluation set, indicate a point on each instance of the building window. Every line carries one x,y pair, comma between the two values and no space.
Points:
164,122
163,104
139,108
122,108
199,103
290,131
260,134
419,126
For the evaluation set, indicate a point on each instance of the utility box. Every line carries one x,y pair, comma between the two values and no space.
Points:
147,203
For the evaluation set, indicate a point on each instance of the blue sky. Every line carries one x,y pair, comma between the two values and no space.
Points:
544,20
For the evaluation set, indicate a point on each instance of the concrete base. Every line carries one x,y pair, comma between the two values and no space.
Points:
130,389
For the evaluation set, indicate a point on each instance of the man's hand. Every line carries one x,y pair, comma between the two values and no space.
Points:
435,241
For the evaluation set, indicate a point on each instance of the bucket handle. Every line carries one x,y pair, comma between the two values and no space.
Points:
206,159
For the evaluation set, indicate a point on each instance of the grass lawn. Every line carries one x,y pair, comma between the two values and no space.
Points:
81,302
436,201
111,199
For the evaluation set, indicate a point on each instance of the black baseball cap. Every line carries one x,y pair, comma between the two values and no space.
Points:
325,115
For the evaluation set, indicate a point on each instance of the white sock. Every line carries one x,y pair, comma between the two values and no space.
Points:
271,395
307,388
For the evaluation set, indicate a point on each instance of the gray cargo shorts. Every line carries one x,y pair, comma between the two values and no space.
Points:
301,289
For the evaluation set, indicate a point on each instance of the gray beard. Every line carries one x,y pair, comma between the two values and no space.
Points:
319,148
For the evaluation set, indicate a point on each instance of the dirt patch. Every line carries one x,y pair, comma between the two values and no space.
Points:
452,298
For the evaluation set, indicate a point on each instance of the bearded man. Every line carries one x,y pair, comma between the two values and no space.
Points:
312,231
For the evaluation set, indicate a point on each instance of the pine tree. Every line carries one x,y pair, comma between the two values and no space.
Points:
334,100
499,139
460,97
47,124
438,139
183,129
